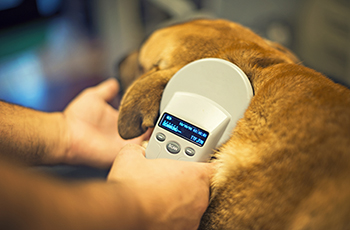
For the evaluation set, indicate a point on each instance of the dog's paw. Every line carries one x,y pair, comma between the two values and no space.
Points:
139,108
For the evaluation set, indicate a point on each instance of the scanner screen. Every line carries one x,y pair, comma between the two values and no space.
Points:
183,129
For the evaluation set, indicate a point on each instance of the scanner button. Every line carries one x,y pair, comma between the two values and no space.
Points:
173,147
160,137
190,151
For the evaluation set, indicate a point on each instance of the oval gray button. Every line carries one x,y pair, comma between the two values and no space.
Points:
190,151
160,137
173,147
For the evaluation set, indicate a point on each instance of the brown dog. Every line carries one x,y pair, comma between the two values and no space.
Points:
287,163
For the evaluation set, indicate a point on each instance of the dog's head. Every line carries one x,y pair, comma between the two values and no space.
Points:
168,50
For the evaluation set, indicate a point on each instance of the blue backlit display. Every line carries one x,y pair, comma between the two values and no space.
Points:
183,129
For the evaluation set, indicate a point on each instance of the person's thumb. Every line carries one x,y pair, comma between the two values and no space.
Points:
129,155
107,89
132,151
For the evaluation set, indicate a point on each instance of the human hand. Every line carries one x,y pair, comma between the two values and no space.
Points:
92,129
172,194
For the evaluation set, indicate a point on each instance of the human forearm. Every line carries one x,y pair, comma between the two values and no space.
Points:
86,132
28,135
31,201
139,194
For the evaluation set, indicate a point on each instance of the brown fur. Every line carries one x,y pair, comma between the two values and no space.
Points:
287,163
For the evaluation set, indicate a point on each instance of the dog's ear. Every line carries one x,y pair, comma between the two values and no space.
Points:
139,107
128,70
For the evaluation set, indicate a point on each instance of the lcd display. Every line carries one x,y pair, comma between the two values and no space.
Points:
183,129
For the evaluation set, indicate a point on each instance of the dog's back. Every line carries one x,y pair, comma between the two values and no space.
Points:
287,163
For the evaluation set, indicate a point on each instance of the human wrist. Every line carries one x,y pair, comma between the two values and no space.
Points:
30,136
111,205
87,206
128,206
102,205
53,204
57,140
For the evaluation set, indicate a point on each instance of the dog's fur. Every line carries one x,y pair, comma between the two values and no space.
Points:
287,163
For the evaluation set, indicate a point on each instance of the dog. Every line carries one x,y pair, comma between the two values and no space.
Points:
287,162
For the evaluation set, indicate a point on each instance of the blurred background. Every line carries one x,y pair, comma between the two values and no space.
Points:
51,49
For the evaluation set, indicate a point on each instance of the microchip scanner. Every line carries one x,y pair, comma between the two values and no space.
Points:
199,109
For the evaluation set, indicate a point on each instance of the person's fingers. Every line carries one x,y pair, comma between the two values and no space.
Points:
140,140
107,89
147,135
